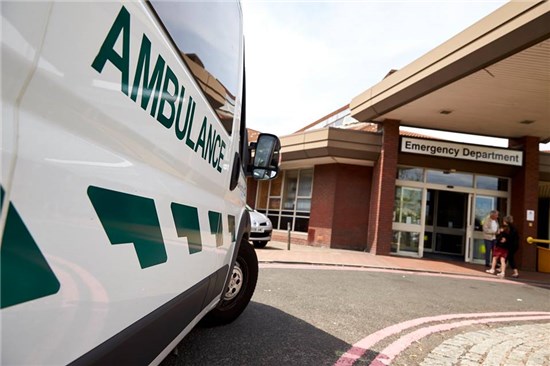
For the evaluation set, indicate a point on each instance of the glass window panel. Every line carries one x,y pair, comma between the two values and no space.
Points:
285,220
502,206
303,204
408,205
412,174
290,186
306,183
493,183
301,224
479,249
503,184
285,202
449,243
450,209
483,205
395,241
428,242
406,241
211,53
263,189
274,221
274,203
449,178
430,204
276,185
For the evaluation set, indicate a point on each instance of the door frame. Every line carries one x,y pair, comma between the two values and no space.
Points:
470,233
438,228
413,228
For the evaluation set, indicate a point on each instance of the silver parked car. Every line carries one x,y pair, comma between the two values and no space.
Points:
260,233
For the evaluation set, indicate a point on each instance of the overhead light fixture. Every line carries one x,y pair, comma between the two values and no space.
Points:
527,121
445,111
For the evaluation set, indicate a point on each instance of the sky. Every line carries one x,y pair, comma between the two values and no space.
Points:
305,59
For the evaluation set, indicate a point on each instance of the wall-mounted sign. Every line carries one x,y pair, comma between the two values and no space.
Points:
452,150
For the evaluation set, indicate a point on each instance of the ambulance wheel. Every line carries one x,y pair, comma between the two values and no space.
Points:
240,289
260,244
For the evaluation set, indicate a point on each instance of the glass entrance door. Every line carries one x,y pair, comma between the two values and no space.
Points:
407,222
445,223
482,206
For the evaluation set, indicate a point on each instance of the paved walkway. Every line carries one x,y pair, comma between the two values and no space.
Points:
277,252
521,345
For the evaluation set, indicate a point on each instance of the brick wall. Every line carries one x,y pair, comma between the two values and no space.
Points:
525,186
383,191
351,208
340,206
323,196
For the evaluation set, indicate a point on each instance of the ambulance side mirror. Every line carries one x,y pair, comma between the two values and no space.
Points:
265,157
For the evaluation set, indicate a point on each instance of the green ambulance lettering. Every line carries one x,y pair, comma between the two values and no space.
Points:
161,92
189,123
168,99
25,274
181,132
107,51
149,86
208,151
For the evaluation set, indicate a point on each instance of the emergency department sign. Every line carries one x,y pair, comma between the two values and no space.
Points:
451,150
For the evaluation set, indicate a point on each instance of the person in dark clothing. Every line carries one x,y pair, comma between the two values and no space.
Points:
500,251
513,244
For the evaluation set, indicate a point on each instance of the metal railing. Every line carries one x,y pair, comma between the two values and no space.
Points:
532,240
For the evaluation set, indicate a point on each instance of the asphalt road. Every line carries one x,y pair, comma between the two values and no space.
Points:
311,317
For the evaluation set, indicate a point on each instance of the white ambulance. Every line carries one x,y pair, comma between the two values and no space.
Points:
123,178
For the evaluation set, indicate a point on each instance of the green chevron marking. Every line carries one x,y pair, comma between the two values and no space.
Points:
231,228
130,219
25,274
216,226
186,219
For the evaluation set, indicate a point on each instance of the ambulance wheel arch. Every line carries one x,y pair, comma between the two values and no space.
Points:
240,288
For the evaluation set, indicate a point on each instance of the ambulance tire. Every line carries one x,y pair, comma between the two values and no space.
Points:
240,289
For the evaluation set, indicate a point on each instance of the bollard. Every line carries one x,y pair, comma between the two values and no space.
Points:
288,230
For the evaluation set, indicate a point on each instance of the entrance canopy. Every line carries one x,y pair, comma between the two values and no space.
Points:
492,79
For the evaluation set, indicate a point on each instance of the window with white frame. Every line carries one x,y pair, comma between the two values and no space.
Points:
286,200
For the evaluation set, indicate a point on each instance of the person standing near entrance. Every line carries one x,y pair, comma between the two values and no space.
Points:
500,251
490,229
513,244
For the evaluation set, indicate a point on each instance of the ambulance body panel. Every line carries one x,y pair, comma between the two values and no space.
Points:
115,222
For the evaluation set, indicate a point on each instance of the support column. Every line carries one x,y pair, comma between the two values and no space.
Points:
383,191
525,188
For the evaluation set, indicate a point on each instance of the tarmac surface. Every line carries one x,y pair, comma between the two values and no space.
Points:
513,343
277,252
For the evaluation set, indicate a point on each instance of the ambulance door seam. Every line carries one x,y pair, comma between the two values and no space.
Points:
17,106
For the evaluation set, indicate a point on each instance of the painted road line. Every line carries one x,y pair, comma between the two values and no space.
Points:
359,348
389,353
